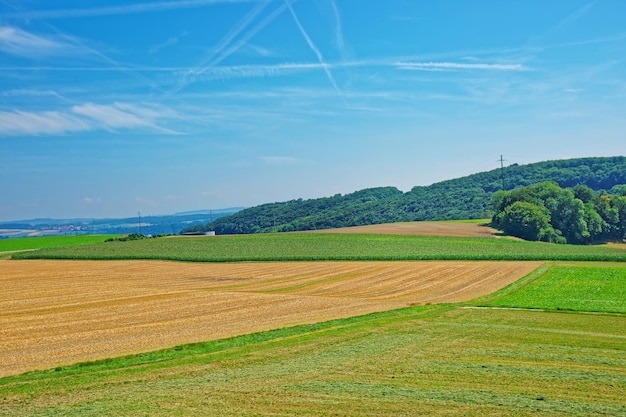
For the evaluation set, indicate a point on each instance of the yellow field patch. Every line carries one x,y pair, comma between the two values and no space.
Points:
421,228
56,313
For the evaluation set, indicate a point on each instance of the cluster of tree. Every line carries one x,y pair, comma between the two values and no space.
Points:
547,212
126,238
463,198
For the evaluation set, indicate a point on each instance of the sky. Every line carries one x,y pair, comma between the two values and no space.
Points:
112,107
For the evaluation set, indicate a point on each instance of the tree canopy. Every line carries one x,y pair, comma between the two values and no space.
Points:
547,212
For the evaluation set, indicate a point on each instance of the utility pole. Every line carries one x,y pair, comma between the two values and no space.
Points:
139,214
502,170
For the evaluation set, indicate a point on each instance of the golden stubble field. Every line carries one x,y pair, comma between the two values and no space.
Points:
55,313
421,228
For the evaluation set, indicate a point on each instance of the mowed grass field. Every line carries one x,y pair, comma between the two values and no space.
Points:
436,360
515,352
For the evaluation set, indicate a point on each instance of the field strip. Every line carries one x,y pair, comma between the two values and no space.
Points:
55,313
419,228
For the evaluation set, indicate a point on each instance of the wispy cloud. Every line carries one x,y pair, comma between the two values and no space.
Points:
85,117
40,123
173,40
15,41
562,24
315,50
573,17
27,92
120,115
452,66
146,7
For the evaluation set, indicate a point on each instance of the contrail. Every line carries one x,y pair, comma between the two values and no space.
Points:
315,50
338,31
224,50
236,30
224,43
121,10
244,40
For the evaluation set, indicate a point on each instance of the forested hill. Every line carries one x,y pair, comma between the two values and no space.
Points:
463,198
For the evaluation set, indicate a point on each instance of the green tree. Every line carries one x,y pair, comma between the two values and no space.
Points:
528,221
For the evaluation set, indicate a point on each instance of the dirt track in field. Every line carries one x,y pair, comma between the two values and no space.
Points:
425,228
56,313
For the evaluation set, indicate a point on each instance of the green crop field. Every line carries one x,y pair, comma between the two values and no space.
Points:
307,246
582,288
29,243
470,359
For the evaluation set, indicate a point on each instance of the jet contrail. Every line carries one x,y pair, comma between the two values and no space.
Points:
315,50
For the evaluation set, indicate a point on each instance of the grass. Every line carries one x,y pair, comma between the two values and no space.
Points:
30,243
437,360
582,288
308,246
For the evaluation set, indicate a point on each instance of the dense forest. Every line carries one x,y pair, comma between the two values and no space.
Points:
469,197
549,213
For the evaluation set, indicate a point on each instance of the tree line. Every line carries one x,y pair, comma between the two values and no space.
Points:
546,212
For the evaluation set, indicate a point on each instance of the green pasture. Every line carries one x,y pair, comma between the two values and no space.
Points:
581,288
437,360
311,246
30,243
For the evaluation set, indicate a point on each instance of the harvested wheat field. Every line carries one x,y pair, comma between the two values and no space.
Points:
425,228
56,313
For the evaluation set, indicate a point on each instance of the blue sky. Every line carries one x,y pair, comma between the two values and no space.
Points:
112,107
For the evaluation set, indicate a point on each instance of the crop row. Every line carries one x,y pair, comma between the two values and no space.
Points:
307,246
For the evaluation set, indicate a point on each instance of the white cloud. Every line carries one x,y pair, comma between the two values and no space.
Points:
16,41
85,117
110,116
39,123
121,115
443,66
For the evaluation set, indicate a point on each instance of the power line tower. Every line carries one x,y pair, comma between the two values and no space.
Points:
502,171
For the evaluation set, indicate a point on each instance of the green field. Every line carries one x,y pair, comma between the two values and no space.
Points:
581,288
29,243
309,246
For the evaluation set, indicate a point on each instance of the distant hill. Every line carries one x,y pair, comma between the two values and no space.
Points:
463,198
150,225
